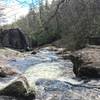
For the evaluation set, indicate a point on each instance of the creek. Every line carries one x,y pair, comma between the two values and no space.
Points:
53,77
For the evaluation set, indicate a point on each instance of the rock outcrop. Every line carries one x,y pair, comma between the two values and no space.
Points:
86,62
13,38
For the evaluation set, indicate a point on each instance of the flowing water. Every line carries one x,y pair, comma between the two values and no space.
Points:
54,78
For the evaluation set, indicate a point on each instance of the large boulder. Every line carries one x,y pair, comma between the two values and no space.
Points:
13,38
86,62
18,88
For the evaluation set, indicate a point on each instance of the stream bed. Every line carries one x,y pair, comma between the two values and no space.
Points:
53,77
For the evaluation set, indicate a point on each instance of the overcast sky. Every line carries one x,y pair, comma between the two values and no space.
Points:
16,9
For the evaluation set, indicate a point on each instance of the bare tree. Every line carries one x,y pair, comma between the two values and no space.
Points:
2,15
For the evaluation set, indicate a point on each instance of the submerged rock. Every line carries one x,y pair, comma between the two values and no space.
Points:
86,62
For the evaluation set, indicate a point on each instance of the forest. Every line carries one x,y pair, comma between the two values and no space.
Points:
65,23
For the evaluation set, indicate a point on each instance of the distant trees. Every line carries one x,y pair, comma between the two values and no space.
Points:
78,20
71,21
2,16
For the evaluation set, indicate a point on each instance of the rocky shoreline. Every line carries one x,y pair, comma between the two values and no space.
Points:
13,83
48,71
